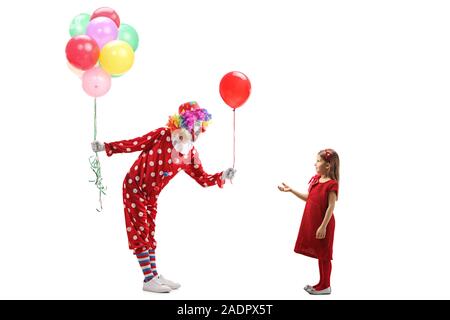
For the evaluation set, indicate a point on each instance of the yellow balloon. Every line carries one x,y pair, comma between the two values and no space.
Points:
116,57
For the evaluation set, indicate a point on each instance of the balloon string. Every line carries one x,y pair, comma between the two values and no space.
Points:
95,164
234,137
95,119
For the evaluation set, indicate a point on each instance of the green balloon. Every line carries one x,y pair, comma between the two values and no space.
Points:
79,24
128,34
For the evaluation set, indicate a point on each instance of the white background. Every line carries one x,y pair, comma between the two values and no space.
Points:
370,79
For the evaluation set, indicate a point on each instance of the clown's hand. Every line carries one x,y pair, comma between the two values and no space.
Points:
229,174
97,146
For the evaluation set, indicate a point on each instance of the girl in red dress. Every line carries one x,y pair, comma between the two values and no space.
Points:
315,237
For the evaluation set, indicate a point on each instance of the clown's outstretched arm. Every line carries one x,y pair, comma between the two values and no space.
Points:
137,144
195,170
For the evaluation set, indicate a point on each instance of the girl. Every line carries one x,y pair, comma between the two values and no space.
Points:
315,237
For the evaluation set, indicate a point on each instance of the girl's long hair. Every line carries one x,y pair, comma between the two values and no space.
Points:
331,157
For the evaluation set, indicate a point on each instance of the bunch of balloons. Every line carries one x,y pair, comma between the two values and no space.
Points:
100,48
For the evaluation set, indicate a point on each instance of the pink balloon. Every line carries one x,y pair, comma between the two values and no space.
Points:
96,82
102,30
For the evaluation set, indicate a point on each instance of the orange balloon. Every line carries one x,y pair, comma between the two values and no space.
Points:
76,71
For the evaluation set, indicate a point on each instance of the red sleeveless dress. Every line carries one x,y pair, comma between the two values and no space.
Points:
315,209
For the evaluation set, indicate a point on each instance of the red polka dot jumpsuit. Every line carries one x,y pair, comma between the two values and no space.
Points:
157,164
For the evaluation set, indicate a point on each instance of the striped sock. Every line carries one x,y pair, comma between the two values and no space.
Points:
144,262
153,262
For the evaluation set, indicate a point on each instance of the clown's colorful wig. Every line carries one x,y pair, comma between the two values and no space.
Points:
188,118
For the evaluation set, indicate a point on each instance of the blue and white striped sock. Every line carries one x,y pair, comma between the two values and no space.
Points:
152,257
144,262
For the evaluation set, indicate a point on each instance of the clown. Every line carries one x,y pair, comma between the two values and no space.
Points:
164,152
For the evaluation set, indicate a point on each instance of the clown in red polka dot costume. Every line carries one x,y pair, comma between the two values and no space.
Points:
163,153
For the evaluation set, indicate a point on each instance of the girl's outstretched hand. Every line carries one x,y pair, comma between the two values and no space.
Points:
284,188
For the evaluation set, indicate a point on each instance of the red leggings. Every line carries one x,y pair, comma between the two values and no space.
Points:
325,274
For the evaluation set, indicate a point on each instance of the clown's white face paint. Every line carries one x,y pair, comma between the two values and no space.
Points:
182,141
197,131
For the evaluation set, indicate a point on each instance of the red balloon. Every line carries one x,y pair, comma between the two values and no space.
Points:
82,52
108,13
235,89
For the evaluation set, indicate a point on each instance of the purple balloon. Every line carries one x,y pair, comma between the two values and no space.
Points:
96,82
102,30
